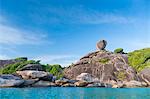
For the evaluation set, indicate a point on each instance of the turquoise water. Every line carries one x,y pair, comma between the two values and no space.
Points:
74,93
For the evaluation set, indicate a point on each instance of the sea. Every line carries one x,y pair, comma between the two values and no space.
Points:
74,93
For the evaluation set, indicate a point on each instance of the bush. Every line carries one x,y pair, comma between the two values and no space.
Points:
139,59
54,69
118,50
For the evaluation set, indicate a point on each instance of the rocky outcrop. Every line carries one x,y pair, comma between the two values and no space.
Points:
4,63
145,75
87,77
30,74
101,45
103,65
81,83
37,67
43,84
134,83
8,80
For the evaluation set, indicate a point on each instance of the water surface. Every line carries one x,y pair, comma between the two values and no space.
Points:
74,93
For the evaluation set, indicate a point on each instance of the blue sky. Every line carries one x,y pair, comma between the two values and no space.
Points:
62,31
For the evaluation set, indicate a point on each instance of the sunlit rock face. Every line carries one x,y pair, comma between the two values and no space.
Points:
104,65
101,45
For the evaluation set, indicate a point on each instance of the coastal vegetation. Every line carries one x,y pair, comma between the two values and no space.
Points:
12,68
139,59
125,68
56,69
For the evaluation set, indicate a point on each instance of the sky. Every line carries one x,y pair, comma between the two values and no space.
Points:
62,31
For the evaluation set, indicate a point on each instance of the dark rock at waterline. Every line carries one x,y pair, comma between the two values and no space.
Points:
43,84
49,77
9,80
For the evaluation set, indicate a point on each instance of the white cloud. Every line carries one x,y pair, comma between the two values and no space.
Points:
64,60
77,15
81,15
10,35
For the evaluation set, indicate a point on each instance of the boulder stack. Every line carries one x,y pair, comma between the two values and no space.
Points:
101,45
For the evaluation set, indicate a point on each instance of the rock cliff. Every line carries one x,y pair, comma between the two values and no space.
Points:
104,65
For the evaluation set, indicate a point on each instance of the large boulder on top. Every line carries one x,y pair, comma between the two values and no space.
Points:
37,67
101,45
104,65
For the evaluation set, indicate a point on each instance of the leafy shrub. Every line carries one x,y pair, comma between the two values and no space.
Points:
118,50
54,69
139,59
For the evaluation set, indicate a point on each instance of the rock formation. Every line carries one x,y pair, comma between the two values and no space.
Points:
3,63
101,45
145,75
9,80
102,64
37,67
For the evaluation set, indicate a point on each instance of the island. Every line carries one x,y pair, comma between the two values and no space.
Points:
101,68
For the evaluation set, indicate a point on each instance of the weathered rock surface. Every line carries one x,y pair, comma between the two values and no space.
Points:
44,84
68,85
103,65
101,45
49,77
81,83
29,82
3,63
8,80
31,74
87,77
145,75
100,85
134,83
37,67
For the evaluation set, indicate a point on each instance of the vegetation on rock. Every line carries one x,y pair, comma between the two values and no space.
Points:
118,50
12,68
139,59
121,75
54,69
104,60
